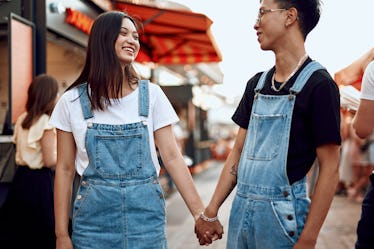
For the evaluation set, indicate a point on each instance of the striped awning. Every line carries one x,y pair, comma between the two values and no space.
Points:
173,36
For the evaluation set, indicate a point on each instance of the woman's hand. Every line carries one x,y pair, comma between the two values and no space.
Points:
207,232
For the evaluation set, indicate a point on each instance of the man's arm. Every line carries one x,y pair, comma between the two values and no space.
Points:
328,161
225,185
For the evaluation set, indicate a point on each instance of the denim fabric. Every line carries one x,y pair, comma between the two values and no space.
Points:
119,203
268,212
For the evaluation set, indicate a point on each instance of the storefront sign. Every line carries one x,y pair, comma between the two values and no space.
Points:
78,20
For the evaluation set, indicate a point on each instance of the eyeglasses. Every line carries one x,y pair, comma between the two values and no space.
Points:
262,12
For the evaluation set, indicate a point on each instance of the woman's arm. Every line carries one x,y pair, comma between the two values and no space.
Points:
65,171
225,185
49,148
178,170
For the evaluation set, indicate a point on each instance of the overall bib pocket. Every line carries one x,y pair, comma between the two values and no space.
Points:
263,146
109,163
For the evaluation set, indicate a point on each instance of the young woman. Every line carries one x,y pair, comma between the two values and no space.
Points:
27,218
109,123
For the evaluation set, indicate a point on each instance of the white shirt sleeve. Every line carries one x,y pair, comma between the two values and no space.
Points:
163,112
367,86
60,117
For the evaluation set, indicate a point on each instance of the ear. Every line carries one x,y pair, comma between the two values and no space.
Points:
292,16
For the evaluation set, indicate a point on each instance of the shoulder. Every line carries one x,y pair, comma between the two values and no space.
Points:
70,94
69,97
367,87
21,118
42,122
321,80
154,88
369,72
156,93
370,67
37,129
252,83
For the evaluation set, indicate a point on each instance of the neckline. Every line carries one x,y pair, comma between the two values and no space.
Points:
298,66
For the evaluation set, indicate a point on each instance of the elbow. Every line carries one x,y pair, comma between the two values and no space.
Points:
363,134
49,162
362,131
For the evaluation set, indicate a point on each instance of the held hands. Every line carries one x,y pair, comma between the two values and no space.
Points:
207,229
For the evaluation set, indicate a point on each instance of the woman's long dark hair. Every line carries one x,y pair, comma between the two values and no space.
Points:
102,70
42,95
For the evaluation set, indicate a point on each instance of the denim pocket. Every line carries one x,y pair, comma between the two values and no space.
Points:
80,199
265,136
302,210
286,217
118,155
159,195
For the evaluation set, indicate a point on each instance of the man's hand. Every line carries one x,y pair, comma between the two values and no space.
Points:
207,232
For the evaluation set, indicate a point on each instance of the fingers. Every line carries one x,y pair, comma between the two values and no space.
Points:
207,232
215,237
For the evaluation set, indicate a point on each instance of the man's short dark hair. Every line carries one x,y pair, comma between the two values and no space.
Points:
309,12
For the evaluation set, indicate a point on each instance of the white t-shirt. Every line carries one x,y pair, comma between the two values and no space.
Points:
367,86
68,116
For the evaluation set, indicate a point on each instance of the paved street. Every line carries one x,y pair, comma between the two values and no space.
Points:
338,231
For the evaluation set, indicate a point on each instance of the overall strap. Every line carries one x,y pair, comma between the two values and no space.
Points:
85,101
143,97
261,81
304,76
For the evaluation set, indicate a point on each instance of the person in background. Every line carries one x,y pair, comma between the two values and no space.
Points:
360,168
27,219
288,117
109,123
363,123
345,162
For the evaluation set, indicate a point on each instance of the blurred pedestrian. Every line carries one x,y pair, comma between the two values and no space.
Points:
360,167
345,162
288,117
363,123
109,123
27,219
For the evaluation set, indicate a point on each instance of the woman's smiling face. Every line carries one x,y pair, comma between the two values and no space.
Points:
127,44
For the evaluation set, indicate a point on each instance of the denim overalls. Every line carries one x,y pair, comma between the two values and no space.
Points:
119,203
268,212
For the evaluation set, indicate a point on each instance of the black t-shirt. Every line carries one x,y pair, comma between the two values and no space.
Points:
315,119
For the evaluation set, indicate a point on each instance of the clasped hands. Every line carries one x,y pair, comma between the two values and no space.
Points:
208,231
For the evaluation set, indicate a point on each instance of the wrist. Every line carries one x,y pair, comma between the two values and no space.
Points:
206,218
211,211
197,216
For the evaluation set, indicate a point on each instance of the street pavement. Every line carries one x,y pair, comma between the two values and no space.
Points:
338,231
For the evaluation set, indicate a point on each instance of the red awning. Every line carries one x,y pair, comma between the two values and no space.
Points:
173,36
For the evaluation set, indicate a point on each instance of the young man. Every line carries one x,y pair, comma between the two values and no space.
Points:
288,117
